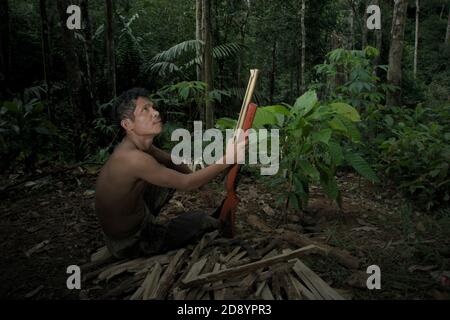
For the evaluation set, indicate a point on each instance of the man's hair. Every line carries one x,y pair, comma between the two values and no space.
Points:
126,103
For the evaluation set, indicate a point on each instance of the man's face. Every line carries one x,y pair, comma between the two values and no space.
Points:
146,118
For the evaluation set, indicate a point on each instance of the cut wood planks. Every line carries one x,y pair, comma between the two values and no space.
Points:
242,270
291,290
319,287
196,269
168,277
150,284
193,272
115,270
304,292
101,254
266,294
220,293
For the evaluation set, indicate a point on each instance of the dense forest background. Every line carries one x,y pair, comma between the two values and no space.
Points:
58,85
363,116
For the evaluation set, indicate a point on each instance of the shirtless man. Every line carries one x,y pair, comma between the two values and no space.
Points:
136,174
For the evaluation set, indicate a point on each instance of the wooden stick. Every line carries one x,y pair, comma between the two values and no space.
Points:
151,282
315,283
342,256
247,99
169,275
241,270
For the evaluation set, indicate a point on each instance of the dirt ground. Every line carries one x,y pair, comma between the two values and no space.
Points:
49,223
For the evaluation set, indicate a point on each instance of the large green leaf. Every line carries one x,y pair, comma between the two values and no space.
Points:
330,187
264,117
226,123
309,169
323,136
346,110
361,166
337,124
336,153
352,131
278,108
305,103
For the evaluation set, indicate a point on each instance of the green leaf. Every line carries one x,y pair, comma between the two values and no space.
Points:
309,169
352,131
337,124
293,201
323,135
42,130
361,166
278,108
346,110
226,123
264,117
184,93
336,153
330,187
298,185
305,103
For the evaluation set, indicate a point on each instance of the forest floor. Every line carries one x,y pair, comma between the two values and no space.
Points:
49,223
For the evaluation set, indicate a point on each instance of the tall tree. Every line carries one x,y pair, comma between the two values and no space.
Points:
89,54
447,35
273,71
5,46
208,73
394,75
302,45
73,72
416,39
46,58
364,27
198,34
110,49
351,20
378,39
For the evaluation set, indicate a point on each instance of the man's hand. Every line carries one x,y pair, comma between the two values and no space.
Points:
235,150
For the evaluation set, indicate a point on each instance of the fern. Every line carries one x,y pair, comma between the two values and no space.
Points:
165,62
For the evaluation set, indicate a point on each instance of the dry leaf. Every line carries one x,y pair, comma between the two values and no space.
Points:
366,228
89,193
421,268
258,223
34,292
37,247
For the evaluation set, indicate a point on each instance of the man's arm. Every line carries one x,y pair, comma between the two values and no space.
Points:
144,166
165,159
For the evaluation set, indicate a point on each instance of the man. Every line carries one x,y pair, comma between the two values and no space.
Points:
138,179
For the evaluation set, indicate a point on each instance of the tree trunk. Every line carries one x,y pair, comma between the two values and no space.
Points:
198,34
110,49
352,30
364,27
447,36
416,40
273,71
73,73
46,59
394,76
378,41
303,46
208,62
89,54
5,46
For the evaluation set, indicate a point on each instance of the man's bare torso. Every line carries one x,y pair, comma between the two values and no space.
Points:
119,204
